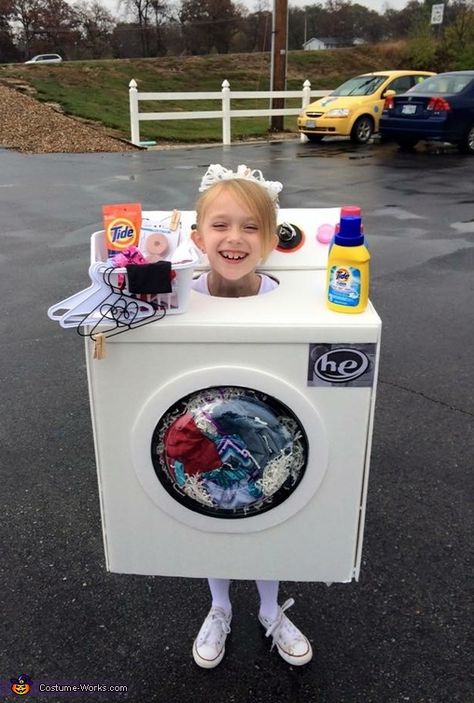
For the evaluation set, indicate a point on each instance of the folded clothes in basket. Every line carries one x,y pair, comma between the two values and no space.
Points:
150,278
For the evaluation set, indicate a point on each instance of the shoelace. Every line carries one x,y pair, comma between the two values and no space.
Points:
275,628
216,619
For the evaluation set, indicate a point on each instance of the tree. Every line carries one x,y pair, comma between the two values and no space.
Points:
161,14
57,28
256,28
406,22
151,17
340,14
8,50
127,41
336,18
26,14
140,10
367,24
317,22
296,27
96,25
208,25
459,34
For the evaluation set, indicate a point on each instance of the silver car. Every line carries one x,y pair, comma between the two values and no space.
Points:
45,58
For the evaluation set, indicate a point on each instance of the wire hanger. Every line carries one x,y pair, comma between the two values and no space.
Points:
123,311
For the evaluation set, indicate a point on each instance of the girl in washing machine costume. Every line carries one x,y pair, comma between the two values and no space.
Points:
236,228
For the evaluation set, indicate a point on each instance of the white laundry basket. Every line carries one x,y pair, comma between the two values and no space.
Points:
174,302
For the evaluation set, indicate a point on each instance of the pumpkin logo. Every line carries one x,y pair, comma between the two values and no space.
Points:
22,685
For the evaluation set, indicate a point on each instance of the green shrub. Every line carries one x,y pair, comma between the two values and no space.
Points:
421,48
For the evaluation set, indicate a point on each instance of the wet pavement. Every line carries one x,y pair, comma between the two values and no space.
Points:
401,633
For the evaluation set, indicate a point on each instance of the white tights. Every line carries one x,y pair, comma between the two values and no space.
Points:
268,592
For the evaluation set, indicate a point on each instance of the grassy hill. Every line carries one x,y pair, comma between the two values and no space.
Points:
98,90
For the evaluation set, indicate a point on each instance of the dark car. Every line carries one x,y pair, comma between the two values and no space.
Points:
440,109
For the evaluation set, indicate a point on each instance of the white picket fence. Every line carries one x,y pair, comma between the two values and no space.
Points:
225,113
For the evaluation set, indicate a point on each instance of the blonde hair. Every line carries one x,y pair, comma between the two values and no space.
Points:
254,197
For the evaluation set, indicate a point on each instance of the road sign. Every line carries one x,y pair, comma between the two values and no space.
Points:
437,12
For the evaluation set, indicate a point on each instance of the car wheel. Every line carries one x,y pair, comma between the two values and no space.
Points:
362,129
406,142
315,138
466,146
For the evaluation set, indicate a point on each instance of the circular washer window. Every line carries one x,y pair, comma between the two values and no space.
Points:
229,451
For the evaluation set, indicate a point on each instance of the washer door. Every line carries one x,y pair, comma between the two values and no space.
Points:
229,449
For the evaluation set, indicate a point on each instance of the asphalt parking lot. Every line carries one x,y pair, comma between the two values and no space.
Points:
401,633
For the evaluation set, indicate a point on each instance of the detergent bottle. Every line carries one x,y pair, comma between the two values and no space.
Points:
346,211
347,287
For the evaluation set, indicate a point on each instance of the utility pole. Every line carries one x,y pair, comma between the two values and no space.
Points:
279,59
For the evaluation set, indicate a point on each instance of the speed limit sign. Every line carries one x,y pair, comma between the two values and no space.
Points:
437,12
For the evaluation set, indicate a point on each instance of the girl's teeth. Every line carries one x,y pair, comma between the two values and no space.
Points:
227,255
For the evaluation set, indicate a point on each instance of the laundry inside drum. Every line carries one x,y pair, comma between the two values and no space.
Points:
229,451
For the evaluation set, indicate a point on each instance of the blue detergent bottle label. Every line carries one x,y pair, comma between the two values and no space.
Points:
344,285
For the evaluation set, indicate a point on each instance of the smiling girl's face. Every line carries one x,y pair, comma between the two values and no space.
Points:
236,239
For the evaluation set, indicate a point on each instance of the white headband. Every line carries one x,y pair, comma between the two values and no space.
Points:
216,173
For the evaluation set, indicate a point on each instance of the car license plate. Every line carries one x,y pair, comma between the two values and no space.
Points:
310,124
408,109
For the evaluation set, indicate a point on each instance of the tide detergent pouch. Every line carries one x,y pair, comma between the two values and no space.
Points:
122,224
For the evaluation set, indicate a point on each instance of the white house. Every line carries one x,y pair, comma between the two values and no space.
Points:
315,43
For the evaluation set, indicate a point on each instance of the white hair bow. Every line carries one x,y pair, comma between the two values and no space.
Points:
216,173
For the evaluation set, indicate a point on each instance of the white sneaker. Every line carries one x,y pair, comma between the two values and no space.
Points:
292,645
209,645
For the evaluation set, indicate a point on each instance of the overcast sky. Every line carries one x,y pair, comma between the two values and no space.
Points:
377,5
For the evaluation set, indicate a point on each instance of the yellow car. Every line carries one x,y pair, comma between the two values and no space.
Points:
355,107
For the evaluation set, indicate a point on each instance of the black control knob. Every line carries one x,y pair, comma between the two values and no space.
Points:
290,237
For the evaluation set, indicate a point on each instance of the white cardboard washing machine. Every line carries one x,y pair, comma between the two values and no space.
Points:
306,375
